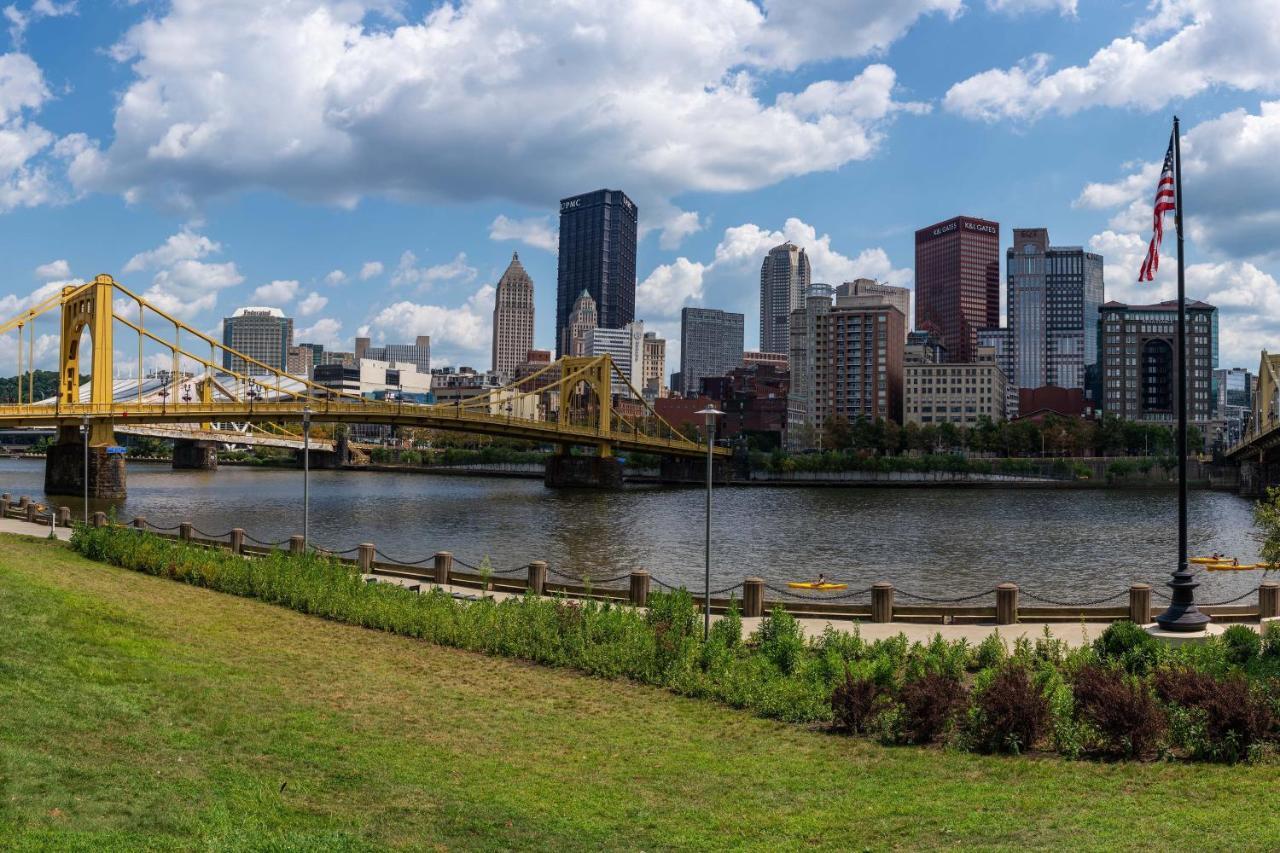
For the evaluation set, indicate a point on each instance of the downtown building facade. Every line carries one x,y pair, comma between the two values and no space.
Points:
957,393
597,255
626,347
868,291
1233,392
655,367
582,320
512,318
711,344
958,282
262,334
1053,296
417,353
784,281
1140,361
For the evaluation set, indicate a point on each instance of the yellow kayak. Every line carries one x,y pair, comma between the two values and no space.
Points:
817,586
1206,560
1231,567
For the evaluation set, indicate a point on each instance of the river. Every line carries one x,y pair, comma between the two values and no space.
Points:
1069,545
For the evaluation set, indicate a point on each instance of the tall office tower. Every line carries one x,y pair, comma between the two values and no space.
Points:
784,281
1140,360
1000,343
512,318
867,292
655,366
299,361
626,346
1052,304
598,255
263,334
1233,389
958,282
582,320
711,344
807,330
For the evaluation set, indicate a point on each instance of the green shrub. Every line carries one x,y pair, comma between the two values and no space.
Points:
780,639
1131,647
1271,641
1242,645
989,653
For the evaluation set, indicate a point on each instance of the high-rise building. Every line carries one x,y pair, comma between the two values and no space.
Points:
956,393
626,346
512,318
581,321
597,255
999,342
262,334
1140,360
711,344
958,281
655,366
299,361
1233,389
866,292
418,353
784,281
924,348
1053,295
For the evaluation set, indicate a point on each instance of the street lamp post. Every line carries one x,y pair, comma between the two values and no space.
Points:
306,475
85,424
710,413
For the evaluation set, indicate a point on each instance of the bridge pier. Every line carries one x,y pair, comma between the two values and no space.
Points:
583,472
687,470
193,455
64,469
328,460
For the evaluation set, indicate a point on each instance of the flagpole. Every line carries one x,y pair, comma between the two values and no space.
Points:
1182,614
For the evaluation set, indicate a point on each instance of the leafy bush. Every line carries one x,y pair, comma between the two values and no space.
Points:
1120,709
1216,719
854,702
990,652
928,706
1271,641
780,639
1127,645
1242,644
1009,713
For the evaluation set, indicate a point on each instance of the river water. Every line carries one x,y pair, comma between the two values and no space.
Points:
1068,545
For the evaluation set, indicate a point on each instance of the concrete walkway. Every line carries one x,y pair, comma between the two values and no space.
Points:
26,528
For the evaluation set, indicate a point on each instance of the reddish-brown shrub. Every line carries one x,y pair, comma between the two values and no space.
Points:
1233,716
1129,721
1011,712
853,703
928,704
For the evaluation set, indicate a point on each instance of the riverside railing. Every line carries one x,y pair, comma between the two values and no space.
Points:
882,602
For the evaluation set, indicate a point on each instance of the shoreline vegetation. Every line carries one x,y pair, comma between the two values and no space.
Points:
1125,696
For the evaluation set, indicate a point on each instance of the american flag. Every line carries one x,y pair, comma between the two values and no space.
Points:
1164,204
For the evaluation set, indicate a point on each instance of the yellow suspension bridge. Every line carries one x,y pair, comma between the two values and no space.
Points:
568,403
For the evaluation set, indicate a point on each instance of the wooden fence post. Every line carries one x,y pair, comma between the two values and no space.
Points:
640,588
537,576
882,602
140,522
185,531
297,545
64,516
237,540
1140,603
1006,603
753,597
32,509
443,565
364,556
1268,599
99,519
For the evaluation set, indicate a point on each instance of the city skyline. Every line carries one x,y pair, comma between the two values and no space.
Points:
394,246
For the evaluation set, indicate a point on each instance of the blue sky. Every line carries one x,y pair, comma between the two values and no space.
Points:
370,165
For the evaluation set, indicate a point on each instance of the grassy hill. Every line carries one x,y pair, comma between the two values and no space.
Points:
138,712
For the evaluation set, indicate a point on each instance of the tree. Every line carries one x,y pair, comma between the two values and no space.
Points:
837,434
1266,516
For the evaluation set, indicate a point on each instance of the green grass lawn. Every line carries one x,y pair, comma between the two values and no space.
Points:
139,712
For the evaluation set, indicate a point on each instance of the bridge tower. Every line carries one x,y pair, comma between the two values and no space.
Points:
64,468
603,470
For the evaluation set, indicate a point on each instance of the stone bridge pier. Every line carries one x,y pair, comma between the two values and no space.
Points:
193,455
685,470
64,468
565,471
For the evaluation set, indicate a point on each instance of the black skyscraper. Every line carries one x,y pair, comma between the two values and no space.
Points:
598,255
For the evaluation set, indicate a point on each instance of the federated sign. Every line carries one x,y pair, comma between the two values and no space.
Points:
115,448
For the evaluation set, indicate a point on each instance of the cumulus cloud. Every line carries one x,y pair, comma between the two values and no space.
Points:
370,269
20,20
184,285
670,287
326,331
536,231
58,269
183,246
458,335
275,293
483,99
313,304
1066,8
408,272
26,149
1183,48
335,277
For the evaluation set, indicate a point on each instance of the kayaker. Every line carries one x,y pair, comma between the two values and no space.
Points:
821,579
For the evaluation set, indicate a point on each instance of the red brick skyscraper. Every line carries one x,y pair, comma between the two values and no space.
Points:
958,282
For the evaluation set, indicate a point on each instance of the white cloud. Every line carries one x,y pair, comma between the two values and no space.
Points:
1067,8
324,331
1205,44
485,99
313,304
370,269
54,270
25,147
670,287
677,227
536,231
19,21
185,245
190,287
1232,184
458,335
335,277
275,293
408,272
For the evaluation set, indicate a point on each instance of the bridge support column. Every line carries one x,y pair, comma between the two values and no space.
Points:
321,459
679,469
583,472
1250,479
194,455
64,469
